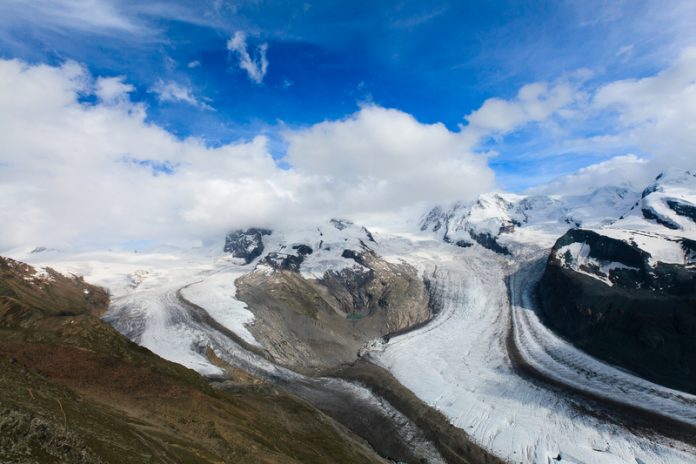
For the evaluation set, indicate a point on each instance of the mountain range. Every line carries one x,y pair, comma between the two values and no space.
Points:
403,341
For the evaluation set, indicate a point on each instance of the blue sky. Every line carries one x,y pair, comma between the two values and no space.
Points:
438,61
382,98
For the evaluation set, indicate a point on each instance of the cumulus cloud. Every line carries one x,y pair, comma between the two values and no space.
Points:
657,114
96,171
654,116
73,172
172,92
83,172
112,90
533,103
255,67
385,157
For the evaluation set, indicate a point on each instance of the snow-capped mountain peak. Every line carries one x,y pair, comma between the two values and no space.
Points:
666,206
502,221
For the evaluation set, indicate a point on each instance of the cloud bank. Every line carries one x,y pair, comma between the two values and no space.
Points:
94,171
81,164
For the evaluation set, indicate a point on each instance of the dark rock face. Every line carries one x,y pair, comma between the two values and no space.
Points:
683,209
324,321
369,235
340,224
357,298
651,214
434,221
644,322
287,261
490,242
246,244
355,256
284,262
303,250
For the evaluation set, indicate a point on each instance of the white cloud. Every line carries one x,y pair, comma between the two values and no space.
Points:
657,114
654,117
255,67
67,170
193,64
386,158
533,103
82,173
172,92
112,90
94,16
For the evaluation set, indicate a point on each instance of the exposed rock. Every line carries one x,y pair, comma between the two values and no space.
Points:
246,244
683,208
74,390
622,307
651,214
355,256
303,249
370,237
284,262
316,323
486,240
341,224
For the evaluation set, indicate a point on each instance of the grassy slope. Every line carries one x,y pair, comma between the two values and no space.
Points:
72,389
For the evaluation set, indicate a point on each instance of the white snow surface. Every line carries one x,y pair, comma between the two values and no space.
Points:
661,241
580,258
458,364
679,186
146,284
216,293
518,221
327,241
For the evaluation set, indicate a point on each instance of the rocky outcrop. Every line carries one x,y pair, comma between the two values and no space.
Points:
682,208
486,240
321,322
246,244
611,298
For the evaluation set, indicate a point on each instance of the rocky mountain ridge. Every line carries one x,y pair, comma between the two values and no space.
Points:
620,281
503,221
626,292
320,294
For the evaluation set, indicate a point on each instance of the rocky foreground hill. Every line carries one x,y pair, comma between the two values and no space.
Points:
72,389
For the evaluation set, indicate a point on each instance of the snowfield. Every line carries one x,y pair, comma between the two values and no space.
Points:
565,363
458,363
216,293
146,307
